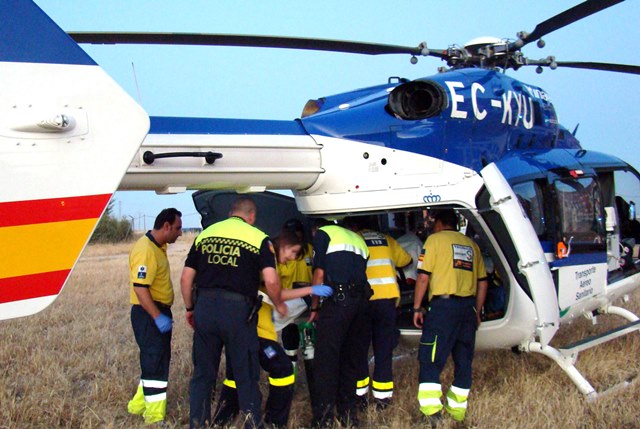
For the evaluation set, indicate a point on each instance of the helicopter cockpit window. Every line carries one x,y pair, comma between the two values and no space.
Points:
530,197
581,211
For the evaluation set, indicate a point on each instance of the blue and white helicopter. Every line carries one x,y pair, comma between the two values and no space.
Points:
554,218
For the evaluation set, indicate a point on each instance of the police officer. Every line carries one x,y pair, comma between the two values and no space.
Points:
272,356
151,296
225,262
340,261
452,270
385,255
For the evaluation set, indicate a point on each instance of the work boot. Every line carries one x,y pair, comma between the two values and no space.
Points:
382,404
434,419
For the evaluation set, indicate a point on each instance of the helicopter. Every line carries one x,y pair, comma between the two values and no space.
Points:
469,137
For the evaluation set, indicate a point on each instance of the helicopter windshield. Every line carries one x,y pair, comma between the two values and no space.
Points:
581,210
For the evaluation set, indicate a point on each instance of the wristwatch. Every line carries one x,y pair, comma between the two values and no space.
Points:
417,310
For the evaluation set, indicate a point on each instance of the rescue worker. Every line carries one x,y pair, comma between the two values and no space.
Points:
385,255
295,273
452,271
273,358
151,297
225,262
340,261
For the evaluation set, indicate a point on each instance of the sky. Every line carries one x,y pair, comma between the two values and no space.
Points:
226,82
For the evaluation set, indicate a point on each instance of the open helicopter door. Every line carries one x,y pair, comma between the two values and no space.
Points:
67,135
532,263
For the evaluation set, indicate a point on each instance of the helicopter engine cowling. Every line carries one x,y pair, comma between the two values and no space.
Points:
419,99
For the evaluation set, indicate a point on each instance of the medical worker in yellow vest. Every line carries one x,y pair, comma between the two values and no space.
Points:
452,273
385,255
151,296
295,273
272,356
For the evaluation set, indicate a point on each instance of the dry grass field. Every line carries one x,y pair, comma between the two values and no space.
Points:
75,365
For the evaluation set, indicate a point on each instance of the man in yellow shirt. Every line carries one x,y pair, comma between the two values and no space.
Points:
151,296
385,255
451,269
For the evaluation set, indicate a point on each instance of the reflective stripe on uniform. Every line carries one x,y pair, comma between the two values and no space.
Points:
382,390
154,384
379,262
457,402
382,395
382,281
284,381
229,383
362,386
156,398
345,247
429,398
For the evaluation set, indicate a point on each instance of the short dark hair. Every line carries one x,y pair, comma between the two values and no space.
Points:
166,215
294,225
447,217
286,238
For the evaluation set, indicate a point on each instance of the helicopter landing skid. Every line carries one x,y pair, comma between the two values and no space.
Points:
567,356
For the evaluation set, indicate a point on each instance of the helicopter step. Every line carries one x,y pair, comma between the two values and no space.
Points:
573,349
567,356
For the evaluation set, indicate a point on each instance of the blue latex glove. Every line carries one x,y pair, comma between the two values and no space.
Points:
322,290
163,322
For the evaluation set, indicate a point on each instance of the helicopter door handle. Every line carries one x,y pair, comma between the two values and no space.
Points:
210,157
528,265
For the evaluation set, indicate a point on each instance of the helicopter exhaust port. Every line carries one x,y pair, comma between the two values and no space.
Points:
419,99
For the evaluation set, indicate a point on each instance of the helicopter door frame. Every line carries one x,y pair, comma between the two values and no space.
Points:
531,259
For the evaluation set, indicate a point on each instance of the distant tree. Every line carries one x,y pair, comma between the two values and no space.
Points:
110,229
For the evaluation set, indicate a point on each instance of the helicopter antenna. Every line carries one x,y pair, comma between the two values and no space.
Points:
575,130
135,79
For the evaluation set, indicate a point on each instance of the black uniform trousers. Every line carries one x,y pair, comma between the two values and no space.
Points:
277,364
383,336
340,349
221,320
155,347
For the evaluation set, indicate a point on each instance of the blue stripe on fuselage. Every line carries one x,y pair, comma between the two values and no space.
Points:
177,125
580,259
30,36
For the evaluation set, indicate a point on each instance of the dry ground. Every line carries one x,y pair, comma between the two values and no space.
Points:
74,365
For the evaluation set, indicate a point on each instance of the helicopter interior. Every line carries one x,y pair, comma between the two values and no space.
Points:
275,209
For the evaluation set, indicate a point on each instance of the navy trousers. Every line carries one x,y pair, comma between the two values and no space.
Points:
222,322
449,329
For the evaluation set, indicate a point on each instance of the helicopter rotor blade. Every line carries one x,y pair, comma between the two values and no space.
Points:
588,65
620,68
563,19
252,41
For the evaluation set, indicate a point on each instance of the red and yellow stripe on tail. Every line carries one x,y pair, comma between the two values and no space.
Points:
41,241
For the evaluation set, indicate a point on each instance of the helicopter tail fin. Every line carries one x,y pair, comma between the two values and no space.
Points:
67,135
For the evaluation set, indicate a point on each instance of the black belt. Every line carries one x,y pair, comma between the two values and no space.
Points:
226,294
343,290
451,297
163,306
160,305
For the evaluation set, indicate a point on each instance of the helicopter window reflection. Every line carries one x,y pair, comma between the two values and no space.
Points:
581,210
530,197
